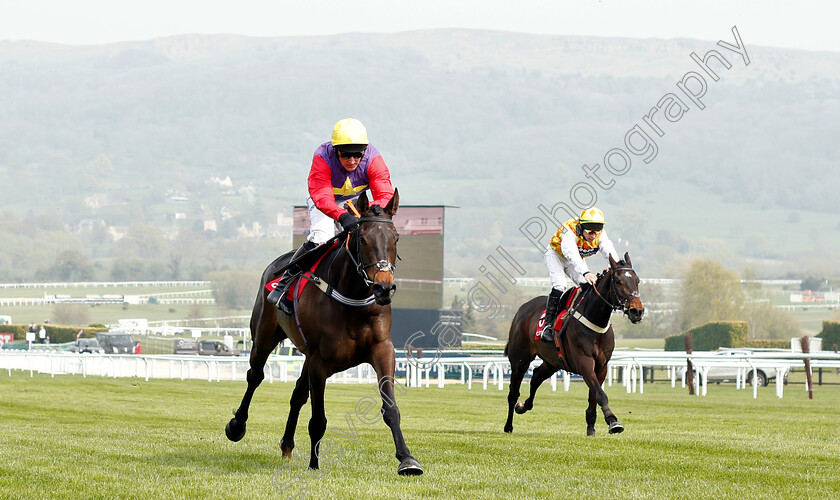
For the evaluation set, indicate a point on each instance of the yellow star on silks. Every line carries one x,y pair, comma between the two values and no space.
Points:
348,189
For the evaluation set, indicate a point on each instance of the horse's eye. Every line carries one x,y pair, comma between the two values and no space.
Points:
397,240
362,240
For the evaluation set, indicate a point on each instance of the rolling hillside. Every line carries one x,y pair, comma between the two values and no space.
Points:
495,123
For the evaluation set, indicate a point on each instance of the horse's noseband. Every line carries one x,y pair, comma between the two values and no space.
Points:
382,265
623,302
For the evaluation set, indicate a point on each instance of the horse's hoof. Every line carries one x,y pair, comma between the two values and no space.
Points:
616,428
234,430
519,408
590,432
286,449
410,467
508,429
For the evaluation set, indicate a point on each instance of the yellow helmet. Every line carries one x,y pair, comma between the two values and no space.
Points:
351,134
592,219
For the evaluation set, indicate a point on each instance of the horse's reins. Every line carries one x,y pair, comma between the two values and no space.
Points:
623,302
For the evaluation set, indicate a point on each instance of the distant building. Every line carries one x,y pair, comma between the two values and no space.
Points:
254,231
218,181
96,201
116,232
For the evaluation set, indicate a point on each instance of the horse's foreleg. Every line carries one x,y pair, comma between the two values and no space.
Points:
383,363
517,373
265,342
299,397
597,396
612,421
540,375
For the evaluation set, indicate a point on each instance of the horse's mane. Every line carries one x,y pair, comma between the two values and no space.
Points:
376,210
607,270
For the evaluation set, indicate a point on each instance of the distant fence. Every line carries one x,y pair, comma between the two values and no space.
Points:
99,284
204,296
466,367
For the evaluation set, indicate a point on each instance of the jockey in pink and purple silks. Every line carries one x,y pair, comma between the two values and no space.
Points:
342,169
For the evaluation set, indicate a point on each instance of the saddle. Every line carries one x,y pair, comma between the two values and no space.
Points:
294,289
560,324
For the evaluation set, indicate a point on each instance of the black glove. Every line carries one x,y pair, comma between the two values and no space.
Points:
348,221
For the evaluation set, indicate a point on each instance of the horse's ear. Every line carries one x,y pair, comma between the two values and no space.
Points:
361,204
394,204
613,263
627,259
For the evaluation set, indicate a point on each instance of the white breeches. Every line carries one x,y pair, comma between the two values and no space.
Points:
559,268
321,226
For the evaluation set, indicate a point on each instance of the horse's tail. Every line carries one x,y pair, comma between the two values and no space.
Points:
507,346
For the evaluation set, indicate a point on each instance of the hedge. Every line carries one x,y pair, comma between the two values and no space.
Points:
830,334
767,344
58,334
19,331
711,336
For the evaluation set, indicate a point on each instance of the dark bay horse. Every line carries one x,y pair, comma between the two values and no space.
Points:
350,326
586,350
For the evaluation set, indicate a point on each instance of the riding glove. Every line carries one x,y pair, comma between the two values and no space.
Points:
348,221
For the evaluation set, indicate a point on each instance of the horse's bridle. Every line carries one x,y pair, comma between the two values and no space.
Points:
358,262
623,302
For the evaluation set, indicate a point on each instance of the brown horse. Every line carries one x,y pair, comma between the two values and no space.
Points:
339,326
586,350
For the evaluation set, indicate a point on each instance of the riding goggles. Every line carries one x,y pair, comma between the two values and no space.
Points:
592,227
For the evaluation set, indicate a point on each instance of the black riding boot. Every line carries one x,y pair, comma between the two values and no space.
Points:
551,310
278,295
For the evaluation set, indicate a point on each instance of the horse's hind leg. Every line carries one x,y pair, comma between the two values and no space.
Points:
299,397
540,375
517,373
266,336
591,415
318,375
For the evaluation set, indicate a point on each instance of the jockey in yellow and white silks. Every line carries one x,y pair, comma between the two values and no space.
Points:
575,240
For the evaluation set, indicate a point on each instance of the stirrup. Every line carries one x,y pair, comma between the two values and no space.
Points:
278,298
547,334
284,306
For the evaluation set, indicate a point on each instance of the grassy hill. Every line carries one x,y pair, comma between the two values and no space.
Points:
97,139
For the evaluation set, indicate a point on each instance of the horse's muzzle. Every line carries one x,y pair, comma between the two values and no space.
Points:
384,289
635,315
636,311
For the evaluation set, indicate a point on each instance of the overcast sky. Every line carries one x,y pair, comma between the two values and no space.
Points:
801,24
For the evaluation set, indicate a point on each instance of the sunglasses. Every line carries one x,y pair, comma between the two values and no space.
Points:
345,154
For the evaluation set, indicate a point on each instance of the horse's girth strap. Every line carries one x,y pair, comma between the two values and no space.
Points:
335,295
588,324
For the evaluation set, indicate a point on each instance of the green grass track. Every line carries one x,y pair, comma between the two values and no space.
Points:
71,437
